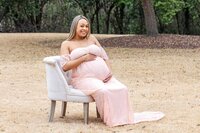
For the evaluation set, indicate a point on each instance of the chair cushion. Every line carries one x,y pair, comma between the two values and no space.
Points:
77,95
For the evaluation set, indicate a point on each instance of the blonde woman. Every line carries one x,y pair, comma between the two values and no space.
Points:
91,73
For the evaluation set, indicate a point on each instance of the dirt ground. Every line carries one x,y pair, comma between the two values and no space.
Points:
166,80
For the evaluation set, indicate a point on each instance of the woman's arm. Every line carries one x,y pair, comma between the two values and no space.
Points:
70,64
93,38
104,56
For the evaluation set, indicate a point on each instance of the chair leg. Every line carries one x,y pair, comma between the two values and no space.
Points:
98,115
86,112
52,110
63,110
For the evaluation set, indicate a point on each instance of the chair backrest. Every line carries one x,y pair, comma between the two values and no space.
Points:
57,79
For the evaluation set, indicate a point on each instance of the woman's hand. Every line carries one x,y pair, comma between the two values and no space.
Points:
108,78
89,57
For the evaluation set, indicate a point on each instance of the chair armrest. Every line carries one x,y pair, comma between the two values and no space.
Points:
49,60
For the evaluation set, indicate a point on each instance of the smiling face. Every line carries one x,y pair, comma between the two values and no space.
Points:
82,29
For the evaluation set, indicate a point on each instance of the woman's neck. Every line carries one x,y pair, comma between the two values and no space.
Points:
80,41
77,38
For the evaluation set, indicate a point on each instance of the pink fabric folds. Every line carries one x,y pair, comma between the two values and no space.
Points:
113,103
103,54
64,59
111,97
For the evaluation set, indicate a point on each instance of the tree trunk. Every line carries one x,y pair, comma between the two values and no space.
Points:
108,7
83,9
141,19
187,21
91,23
97,22
150,19
39,15
161,26
108,17
178,24
98,7
3,12
119,15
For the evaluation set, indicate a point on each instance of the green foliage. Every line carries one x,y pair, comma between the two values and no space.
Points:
57,16
193,6
167,9
126,2
126,16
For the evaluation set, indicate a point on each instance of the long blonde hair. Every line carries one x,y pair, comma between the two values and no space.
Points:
74,24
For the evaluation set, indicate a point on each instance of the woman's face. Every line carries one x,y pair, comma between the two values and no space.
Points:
82,28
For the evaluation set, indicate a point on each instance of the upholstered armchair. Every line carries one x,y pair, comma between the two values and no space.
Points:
59,89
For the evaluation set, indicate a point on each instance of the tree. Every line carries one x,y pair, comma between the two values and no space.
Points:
4,8
106,16
108,6
150,19
25,16
119,14
171,12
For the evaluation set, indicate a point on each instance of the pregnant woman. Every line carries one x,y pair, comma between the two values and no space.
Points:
91,73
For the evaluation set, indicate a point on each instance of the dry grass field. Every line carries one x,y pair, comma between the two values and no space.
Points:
166,80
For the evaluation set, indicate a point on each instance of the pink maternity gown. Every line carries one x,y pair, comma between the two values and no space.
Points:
111,97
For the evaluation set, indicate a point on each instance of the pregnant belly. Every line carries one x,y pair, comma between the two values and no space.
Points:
96,68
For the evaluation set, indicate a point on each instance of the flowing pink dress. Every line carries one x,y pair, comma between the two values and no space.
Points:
111,97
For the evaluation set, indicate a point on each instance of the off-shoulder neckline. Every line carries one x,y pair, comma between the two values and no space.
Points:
83,47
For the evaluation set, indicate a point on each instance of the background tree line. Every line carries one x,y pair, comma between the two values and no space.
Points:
106,16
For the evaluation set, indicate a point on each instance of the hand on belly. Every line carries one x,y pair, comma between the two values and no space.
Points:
96,68
108,78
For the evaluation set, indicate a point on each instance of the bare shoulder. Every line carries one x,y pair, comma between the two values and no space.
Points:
65,43
65,47
94,39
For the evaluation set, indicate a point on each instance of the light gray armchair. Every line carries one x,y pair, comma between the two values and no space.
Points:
60,90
